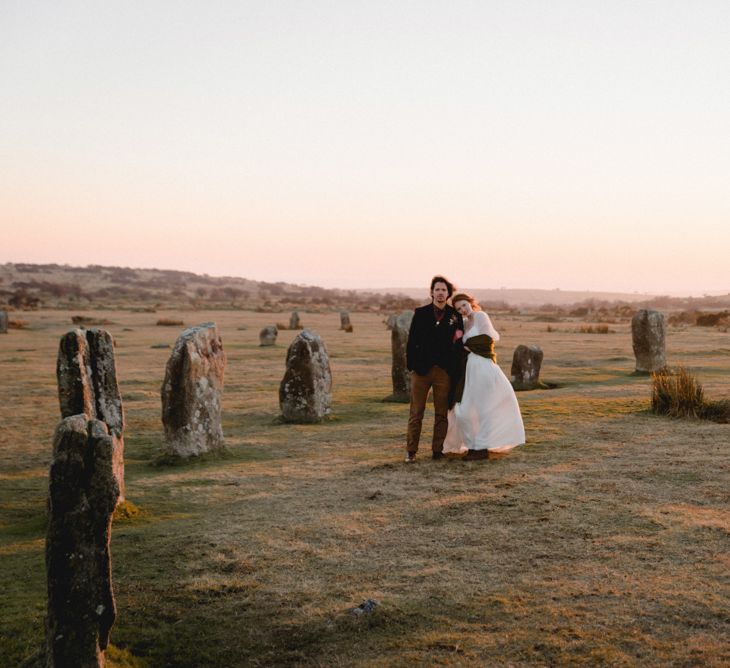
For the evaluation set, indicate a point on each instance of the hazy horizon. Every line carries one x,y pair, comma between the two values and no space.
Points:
412,290
571,145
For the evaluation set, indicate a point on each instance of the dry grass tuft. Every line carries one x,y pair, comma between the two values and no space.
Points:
84,320
170,322
677,394
595,329
18,324
717,411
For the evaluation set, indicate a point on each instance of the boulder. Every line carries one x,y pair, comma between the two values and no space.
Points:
87,383
294,321
192,393
648,333
83,492
3,322
526,363
305,391
400,325
267,336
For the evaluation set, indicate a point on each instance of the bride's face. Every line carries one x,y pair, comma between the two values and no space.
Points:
464,307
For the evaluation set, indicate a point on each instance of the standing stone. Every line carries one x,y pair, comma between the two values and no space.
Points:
83,492
3,322
400,325
87,383
305,390
267,336
526,363
648,332
192,391
345,321
294,322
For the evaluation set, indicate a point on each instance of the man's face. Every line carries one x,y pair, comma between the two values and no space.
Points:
440,294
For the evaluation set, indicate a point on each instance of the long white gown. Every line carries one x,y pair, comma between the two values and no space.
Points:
488,415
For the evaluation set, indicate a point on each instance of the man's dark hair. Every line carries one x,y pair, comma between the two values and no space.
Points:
445,281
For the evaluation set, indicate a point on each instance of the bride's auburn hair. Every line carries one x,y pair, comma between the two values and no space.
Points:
463,297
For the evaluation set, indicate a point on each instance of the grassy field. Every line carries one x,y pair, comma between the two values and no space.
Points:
604,541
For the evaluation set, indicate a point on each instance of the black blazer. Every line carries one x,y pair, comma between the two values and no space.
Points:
432,343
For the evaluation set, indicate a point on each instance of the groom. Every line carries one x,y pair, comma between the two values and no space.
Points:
430,356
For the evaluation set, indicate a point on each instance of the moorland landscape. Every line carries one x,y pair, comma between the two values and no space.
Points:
602,541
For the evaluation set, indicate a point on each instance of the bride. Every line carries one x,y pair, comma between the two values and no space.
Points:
485,417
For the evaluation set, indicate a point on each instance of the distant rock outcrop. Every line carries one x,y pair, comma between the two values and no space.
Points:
192,393
345,323
83,493
305,390
87,383
3,322
648,333
526,363
294,321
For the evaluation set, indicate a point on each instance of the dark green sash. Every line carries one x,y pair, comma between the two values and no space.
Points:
481,345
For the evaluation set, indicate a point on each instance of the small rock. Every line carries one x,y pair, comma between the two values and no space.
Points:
366,607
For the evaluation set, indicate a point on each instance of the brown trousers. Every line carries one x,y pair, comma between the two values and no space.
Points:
437,379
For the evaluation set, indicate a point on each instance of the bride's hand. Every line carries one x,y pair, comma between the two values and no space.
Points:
467,349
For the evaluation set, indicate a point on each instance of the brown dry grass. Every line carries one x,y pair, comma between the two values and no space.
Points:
604,541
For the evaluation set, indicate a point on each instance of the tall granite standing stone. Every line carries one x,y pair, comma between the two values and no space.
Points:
192,393
400,325
87,383
526,363
267,336
294,321
83,492
345,323
3,322
305,391
648,333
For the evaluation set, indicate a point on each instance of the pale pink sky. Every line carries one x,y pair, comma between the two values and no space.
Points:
579,145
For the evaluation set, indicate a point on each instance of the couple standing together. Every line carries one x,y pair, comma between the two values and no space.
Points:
451,351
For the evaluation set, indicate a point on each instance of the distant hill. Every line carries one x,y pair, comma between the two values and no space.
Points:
517,297
34,286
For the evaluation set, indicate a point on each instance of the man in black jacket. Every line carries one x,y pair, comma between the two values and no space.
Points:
430,357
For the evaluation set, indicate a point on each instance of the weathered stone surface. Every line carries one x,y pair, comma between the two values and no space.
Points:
648,333
3,322
83,492
192,393
267,336
400,326
526,363
345,321
87,383
294,321
305,390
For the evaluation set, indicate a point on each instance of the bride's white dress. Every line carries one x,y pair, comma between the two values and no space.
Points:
488,416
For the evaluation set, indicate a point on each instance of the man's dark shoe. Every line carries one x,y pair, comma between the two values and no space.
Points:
410,457
437,455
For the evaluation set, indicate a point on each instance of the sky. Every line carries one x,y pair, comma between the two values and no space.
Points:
571,144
